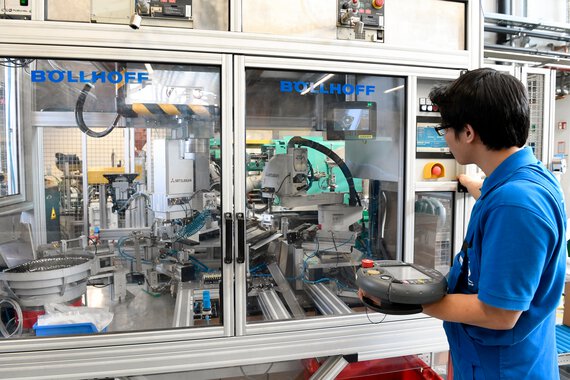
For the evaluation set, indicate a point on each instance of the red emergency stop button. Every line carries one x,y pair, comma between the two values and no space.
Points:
378,4
434,170
367,263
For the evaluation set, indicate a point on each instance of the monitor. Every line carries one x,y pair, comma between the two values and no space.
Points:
428,143
351,121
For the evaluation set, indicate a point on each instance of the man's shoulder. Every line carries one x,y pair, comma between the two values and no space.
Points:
529,182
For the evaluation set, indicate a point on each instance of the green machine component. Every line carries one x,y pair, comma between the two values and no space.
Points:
255,166
325,176
215,148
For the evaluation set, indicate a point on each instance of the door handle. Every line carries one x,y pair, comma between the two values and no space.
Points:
229,224
241,237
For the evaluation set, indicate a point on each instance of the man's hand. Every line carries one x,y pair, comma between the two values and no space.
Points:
473,184
375,300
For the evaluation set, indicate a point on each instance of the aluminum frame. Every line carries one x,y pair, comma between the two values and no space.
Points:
381,340
57,35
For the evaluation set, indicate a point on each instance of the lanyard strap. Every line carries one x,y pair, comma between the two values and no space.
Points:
464,272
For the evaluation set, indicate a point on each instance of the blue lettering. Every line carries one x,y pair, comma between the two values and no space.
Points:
142,76
70,77
335,88
370,89
129,76
115,77
286,86
348,89
323,89
300,86
56,76
359,88
82,78
38,76
95,77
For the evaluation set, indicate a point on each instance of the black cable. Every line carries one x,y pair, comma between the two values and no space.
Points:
370,320
94,244
16,62
79,115
282,182
353,195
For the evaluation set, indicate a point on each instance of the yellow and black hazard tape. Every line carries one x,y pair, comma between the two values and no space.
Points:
157,110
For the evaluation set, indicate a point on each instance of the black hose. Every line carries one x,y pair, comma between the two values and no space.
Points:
353,195
79,115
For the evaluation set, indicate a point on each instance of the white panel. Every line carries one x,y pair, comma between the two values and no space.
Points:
211,15
112,11
65,10
426,24
172,175
297,18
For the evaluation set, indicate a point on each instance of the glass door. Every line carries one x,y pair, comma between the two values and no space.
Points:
323,188
131,176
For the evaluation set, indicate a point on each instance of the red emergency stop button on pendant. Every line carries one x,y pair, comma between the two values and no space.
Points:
367,263
378,4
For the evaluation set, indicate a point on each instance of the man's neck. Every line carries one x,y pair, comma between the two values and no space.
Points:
491,159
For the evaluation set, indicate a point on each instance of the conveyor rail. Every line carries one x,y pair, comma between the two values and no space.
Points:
326,301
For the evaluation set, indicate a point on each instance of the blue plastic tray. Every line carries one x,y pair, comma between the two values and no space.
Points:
69,329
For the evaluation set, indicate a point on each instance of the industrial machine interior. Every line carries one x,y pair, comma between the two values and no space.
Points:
133,213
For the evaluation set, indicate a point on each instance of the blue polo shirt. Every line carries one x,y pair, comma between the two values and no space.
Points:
516,260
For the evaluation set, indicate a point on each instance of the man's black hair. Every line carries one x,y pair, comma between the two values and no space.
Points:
495,104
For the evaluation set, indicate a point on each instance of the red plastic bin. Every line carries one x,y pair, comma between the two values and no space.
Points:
400,368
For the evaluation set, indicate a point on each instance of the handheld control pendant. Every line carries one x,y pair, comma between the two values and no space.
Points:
401,287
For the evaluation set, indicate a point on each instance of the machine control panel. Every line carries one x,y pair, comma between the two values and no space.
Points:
361,20
166,8
401,287
20,9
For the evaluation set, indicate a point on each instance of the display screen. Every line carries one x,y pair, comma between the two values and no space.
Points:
428,141
406,272
351,120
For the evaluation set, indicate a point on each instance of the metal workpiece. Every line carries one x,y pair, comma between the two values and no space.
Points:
271,306
326,301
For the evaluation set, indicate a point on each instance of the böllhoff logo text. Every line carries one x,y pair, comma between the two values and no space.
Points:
57,76
332,88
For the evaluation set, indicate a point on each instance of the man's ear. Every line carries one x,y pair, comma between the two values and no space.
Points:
469,133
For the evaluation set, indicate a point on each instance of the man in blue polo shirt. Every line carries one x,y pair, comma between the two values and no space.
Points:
506,282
